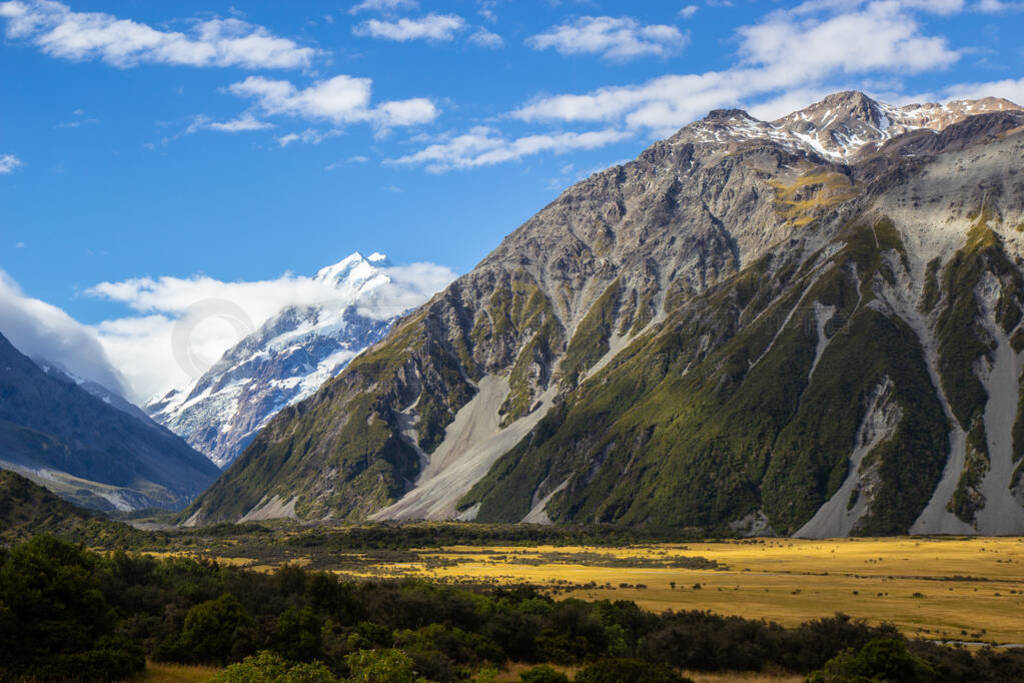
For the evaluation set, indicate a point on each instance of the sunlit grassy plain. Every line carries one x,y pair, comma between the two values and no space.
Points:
958,589
966,589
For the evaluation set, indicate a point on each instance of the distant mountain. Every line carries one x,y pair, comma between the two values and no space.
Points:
283,362
86,450
108,396
27,509
809,326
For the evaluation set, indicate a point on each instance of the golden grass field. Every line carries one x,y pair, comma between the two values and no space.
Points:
939,588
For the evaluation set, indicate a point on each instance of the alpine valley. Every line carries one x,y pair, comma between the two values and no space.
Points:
809,326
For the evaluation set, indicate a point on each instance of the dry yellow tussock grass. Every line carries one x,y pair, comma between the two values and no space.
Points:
965,589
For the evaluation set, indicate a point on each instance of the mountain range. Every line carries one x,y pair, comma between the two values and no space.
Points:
88,444
287,359
807,326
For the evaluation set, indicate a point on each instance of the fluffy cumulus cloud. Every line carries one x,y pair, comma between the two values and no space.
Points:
441,27
59,32
342,99
484,146
219,313
42,331
1010,89
614,38
8,162
791,51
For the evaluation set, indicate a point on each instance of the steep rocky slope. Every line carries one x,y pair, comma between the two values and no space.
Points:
808,326
283,362
80,447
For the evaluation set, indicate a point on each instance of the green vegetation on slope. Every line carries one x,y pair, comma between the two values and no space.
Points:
703,440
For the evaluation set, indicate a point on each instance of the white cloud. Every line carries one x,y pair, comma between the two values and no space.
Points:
613,38
342,99
310,136
355,159
786,52
996,6
60,32
40,330
141,347
930,6
244,123
1010,89
383,6
483,146
9,162
485,38
688,11
431,27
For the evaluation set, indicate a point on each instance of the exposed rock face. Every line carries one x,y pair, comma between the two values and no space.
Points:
87,449
746,322
283,362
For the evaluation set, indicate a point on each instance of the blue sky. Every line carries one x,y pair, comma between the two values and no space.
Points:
239,142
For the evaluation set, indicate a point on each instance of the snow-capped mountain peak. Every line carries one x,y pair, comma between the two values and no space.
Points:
355,274
288,358
840,127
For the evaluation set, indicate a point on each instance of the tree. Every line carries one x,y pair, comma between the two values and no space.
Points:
267,667
212,629
54,621
543,674
381,666
883,660
628,671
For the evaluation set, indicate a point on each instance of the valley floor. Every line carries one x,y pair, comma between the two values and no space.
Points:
964,589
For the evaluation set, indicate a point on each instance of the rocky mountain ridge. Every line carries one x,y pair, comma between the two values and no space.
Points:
85,449
805,327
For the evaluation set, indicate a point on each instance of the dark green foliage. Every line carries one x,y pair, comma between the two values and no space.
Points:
27,509
967,498
692,438
55,622
213,630
932,290
64,607
628,671
962,338
882,660
267,667
590,340
543,674
381,666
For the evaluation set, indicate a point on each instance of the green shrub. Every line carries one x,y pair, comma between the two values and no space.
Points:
267,667
883,660
628,671
543,674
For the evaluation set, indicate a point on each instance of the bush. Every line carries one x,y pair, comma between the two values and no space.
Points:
213,629
628,671
55,622
267,667
543,674
881,659
381,666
